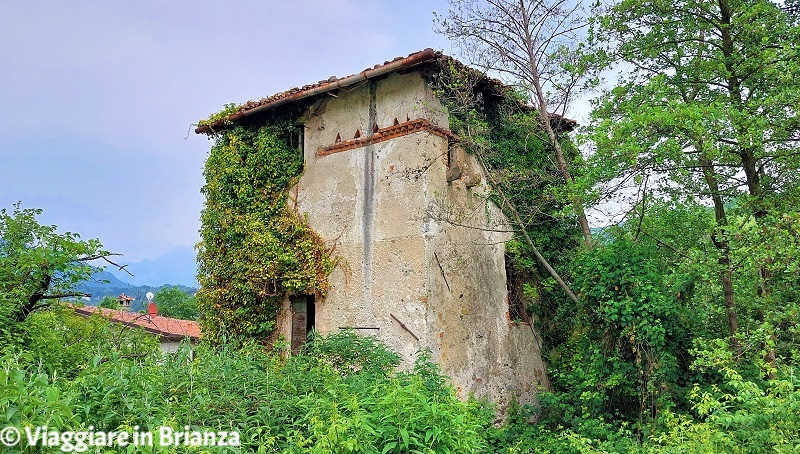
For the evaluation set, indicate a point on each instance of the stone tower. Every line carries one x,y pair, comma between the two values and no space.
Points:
380,167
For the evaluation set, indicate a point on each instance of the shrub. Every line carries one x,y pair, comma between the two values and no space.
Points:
65,343
344,394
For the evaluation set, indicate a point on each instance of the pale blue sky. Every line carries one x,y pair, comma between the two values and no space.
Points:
97,97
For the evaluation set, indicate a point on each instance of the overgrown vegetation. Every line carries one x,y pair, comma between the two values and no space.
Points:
504,134
674,330
62,343
343,394
254,249
683,335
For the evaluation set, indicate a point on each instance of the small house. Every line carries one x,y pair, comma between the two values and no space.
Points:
170,331
125,301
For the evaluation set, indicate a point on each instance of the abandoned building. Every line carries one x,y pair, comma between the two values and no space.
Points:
380,160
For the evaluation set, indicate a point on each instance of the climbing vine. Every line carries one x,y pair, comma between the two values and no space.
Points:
615,353
226,111
495,126
254,248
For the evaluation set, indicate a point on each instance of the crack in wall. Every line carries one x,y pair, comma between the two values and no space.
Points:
368,225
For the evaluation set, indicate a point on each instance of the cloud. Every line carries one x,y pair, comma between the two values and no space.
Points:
64,36
98,97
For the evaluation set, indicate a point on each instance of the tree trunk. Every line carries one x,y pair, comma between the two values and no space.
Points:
517,221
563,167
747,153
544,119
726,275
726,271
538,255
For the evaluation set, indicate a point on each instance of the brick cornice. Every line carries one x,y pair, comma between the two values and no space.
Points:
384,134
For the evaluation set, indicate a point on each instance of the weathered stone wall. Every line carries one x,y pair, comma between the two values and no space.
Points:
168,346
485,354
407,276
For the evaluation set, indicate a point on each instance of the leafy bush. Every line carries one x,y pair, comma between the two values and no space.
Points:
30,396
174,302
619,362
66,343
343,395
109,302
739,414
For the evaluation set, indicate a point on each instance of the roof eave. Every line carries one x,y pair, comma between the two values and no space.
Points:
85,311
407,62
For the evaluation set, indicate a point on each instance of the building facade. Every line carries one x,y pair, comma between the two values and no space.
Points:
421,250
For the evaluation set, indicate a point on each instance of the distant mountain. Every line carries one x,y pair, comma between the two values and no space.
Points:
103,279
177,267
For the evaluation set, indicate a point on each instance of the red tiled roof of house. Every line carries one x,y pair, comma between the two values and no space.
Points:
165,327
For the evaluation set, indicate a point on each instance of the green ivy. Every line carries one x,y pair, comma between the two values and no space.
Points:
254,249
496,126
228,110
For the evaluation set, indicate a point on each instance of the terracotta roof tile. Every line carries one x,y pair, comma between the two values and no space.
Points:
333,83
165,327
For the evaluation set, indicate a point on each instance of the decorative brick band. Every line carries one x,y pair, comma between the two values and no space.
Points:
390,132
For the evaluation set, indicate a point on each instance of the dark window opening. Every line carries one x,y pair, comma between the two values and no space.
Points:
515,284
297,142
311,315
303,318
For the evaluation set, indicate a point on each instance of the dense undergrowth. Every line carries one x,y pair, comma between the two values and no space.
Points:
643,359
345,393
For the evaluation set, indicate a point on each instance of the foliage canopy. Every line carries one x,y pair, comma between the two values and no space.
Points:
38,265
174,302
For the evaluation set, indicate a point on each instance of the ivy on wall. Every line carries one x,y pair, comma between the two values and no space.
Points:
254,249
504,134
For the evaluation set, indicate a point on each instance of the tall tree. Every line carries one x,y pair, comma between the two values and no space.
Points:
174,302
708,109
39,265
534,43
